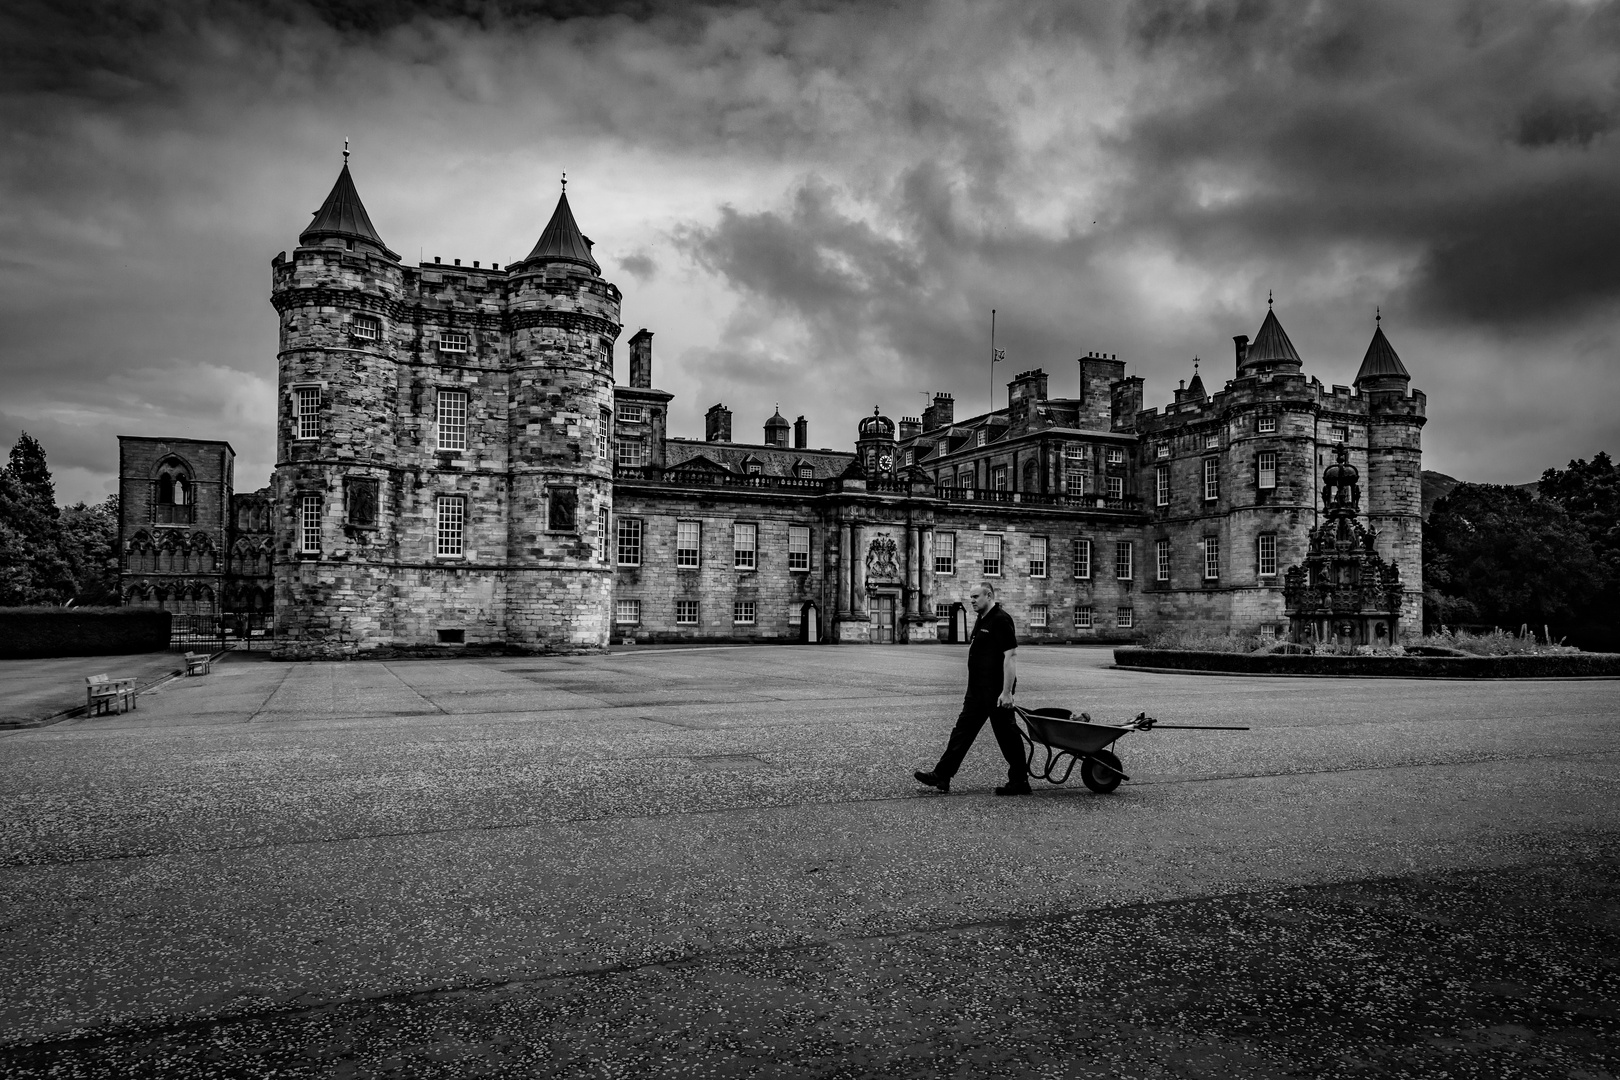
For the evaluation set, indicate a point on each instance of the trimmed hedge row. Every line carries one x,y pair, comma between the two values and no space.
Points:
1390,667
31,633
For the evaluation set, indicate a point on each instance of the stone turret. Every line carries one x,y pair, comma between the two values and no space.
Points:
338,374
564,319
1270,353
874,447
1395,419
776,429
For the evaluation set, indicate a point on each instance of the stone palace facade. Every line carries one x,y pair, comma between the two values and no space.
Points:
457,468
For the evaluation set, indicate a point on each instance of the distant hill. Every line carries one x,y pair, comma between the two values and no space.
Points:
1437,485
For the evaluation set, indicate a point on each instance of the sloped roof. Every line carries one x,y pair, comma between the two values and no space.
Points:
1271,344
778,420
561,239
342,214
1196,387
1381,359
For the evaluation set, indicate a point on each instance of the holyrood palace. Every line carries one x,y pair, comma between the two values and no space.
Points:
456,468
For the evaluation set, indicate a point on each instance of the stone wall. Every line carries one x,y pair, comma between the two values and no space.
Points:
174,556
778,594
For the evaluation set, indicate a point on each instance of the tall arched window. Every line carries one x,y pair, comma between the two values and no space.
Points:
176,494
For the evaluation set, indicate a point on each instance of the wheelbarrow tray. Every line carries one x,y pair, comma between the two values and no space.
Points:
1058,729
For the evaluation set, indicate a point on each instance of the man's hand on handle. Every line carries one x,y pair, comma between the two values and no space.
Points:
1009,678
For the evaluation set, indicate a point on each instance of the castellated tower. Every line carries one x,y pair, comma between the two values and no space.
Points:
564,320
442,470
337,401
1395,419
1233,482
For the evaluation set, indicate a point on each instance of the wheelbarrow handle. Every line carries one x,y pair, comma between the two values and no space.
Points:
1195,727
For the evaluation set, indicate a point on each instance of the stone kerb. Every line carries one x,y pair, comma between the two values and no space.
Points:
1581,665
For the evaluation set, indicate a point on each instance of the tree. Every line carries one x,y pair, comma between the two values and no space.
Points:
32,475
33,566
1500,556
89,537
1590,493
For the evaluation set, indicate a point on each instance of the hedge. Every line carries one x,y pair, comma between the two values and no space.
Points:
1563,666
29,633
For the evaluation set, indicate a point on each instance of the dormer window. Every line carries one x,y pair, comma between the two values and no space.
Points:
453,342
981,438
366,328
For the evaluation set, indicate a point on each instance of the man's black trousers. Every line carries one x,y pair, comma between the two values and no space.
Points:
975,711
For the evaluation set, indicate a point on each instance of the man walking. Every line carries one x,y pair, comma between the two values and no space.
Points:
992,679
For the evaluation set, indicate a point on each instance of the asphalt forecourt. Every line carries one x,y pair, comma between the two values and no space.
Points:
716,862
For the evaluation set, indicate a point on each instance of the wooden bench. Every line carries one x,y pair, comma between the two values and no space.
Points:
103,694
198,663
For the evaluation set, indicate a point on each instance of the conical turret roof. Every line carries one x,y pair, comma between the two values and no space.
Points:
1196,387
562,239
342,214
1271,344
1381,359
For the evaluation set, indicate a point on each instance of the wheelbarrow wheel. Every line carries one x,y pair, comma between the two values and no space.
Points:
1101,772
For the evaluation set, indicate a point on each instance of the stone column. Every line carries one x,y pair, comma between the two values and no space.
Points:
925,570
843,569
857,571
912,576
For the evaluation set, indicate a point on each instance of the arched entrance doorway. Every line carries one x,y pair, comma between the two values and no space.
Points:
810,624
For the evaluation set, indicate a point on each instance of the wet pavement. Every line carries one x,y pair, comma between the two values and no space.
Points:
41,690
714,862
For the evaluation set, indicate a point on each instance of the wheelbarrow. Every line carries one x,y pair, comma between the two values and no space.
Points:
1068,740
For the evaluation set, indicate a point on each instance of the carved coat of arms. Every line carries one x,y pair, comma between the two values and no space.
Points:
882,558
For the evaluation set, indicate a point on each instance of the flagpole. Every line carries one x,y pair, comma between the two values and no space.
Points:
992,360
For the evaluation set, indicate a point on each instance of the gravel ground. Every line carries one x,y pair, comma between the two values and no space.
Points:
714,862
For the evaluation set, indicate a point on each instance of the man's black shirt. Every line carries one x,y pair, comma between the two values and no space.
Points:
992,638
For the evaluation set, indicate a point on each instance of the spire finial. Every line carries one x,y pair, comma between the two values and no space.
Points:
1268,298
565,181
1378,315
1195,365
345,149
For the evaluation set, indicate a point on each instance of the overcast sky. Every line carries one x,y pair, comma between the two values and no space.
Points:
817,205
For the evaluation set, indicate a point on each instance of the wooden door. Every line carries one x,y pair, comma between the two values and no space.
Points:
885,620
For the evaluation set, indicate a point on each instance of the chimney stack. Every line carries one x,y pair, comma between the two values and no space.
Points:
801,434
717,424
942,413
641,359
1242,343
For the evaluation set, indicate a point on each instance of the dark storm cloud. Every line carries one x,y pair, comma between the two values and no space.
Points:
1128,178
1473,136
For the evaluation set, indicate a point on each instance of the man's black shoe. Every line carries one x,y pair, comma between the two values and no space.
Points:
1013,789
934,780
